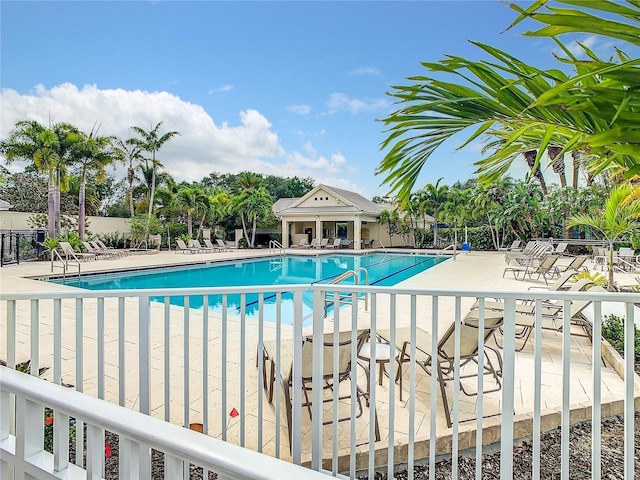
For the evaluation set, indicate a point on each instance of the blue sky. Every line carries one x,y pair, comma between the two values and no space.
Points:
285,88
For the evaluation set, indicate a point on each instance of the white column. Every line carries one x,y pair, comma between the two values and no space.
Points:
285,233
357,233
318,228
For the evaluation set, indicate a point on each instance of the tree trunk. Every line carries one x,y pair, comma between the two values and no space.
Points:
435,230
253,231
244,229
81,208
56,200
51,207
530,157
557,164
152,194
576,168
611,266
131,179
190,225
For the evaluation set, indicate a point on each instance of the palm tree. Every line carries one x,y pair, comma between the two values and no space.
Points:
619,218
192,201
48,149
434,197
128,152
525,108
252,203
92,153
151,141
390,218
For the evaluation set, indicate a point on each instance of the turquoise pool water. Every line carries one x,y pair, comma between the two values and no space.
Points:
383,269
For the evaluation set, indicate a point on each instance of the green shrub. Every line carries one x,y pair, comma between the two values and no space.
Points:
613,332
242,243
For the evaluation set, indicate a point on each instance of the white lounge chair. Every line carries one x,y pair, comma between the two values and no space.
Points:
335,244
70,253
182,247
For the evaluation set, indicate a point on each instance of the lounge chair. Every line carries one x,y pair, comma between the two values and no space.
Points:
313,244
335,244
553,320
285,373
546,267
207,249
97,251
212,247
182,247
514,247
71,254
539,251
229,245
560,249
445,362
303,243
575,266
122,252
323,243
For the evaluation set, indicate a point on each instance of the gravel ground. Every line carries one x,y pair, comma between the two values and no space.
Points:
579,460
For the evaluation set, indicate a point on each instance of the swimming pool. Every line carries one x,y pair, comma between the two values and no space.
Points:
383,270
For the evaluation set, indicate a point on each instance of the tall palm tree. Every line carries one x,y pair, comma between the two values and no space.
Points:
390,218
435,196
619,218
192,201
251,204
128,151
92,153
48,149
151,141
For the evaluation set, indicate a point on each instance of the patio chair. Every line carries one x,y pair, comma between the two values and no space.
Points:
285,373
97,251
546,267
71,254
335,244
515,246
560,249
553,319
303,243
212,247
121,252
531,244
539,251
445,362
229,245
575,266
182,247
313,244
323,243
196,244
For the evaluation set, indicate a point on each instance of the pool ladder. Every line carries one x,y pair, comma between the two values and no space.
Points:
275,246
329,297
55,256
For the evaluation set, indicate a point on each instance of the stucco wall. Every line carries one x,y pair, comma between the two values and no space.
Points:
97,225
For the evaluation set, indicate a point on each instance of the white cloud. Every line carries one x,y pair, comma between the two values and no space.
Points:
340,102
300,109
601,47
365,71
224,88
203,145
201,148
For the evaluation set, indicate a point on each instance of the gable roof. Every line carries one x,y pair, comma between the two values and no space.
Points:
352,201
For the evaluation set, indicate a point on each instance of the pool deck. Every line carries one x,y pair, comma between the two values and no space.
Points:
477,271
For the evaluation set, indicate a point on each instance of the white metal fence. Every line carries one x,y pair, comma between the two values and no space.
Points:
207,364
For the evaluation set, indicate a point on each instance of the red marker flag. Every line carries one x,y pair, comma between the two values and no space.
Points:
107,450
234,413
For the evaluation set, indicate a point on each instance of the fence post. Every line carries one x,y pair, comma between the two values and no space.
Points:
17,248
2,250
